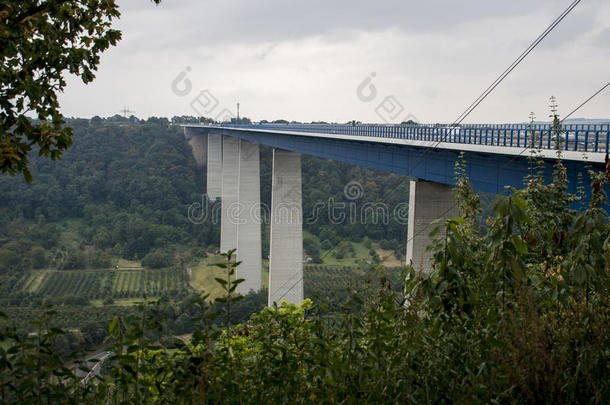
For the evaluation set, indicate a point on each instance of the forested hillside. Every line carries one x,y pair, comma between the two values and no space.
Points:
123,190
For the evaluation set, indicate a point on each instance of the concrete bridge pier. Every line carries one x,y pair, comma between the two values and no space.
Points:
249,227
286,247
428,201
214,166
229,218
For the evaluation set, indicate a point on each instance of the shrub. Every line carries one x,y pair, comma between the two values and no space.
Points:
385,244
9,260
100,260
38,257
74,259
158,258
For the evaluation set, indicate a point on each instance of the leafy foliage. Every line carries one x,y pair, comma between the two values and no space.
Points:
40,42
502,318
86,208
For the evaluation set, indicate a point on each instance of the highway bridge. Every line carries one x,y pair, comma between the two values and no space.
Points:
496,156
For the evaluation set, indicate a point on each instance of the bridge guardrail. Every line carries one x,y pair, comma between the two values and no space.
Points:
573,137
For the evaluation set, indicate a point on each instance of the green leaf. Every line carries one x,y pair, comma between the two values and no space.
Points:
519,244
220,281
580,275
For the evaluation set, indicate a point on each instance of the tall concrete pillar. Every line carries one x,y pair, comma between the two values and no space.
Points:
249,228
229,218
286,248
214,166
428,201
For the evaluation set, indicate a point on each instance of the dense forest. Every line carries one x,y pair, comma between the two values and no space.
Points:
121,190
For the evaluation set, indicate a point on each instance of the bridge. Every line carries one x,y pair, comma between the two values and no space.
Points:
496,156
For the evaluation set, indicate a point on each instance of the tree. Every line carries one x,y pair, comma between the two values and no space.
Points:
41,41
100,259
75,259
158,258
311,244
9,260
38,257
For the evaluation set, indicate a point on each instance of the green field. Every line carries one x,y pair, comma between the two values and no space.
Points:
328,279
152,283
202,276
130,282
100,284
358,256
78,283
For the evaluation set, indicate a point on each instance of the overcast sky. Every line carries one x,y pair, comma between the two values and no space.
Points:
340,60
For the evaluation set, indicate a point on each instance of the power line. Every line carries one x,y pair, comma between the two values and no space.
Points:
285,283
586,101
126,111
500,78
496,82
515,63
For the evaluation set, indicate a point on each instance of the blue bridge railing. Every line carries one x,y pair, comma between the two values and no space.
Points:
573,137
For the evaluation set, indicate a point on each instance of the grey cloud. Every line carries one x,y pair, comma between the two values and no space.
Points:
263,55
574,26
602,39
434,55
273,21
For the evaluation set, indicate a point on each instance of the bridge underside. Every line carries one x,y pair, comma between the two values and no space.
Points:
488,172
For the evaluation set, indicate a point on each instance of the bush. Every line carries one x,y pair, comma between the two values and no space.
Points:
75,300
100,260
75,259
317,260
344,248
158,258
385,244
367,242
38,257
311,245
9,260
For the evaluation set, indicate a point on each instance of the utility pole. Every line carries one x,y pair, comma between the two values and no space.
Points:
237,122
126,111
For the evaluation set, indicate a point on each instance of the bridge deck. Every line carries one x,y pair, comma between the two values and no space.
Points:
496,156
577,142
